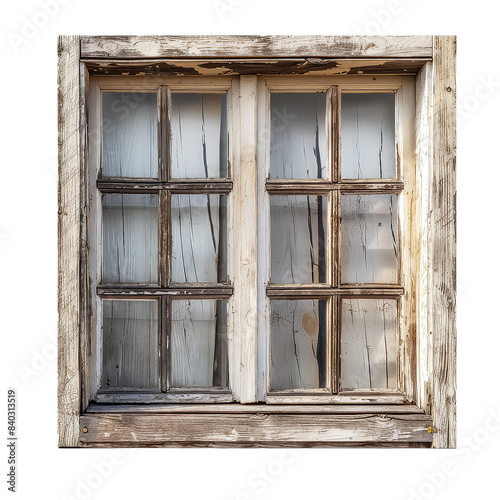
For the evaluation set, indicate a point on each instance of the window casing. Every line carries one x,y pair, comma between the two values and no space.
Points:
250,292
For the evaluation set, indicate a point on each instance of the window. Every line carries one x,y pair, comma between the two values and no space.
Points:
163,196
254,240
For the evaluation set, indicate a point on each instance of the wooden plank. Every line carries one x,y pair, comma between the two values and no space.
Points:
164,239
322,83
142,186
319,186
87,368
164,341
348,398
443,241
254,428
165,397
408,235
284,291
275,83
423,158
212,292
69,194
253,409
294,66
133,47
210,84
164,132
270,444
93,374
246,249
264,237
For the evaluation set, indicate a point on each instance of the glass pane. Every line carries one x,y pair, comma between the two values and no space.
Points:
199,135
130,344
298,235
298,344
369,238
368,136
199,238
298,136
130,238
129,134
369,344
199,343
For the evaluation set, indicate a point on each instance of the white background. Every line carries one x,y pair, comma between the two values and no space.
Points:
28,260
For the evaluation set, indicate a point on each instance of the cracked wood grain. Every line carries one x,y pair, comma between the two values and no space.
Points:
198,352
69,192
369,239
368,136
298,136
254,428
297,358
443,241
199,136
298,239
130,238
130,344
132,47
369,344
199,227
129,134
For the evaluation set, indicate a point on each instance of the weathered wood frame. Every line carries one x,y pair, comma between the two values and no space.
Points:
430,203
164,185
334,186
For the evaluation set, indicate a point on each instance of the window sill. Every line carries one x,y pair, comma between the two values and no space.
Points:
164,425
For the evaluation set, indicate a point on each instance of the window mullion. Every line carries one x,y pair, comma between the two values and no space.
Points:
164,106
245,262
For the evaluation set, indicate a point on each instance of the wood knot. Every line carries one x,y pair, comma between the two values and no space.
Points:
310,325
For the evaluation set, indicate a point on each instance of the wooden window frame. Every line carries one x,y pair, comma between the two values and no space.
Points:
429,343
164,185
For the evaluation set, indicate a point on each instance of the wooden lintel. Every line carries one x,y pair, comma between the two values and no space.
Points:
154,47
